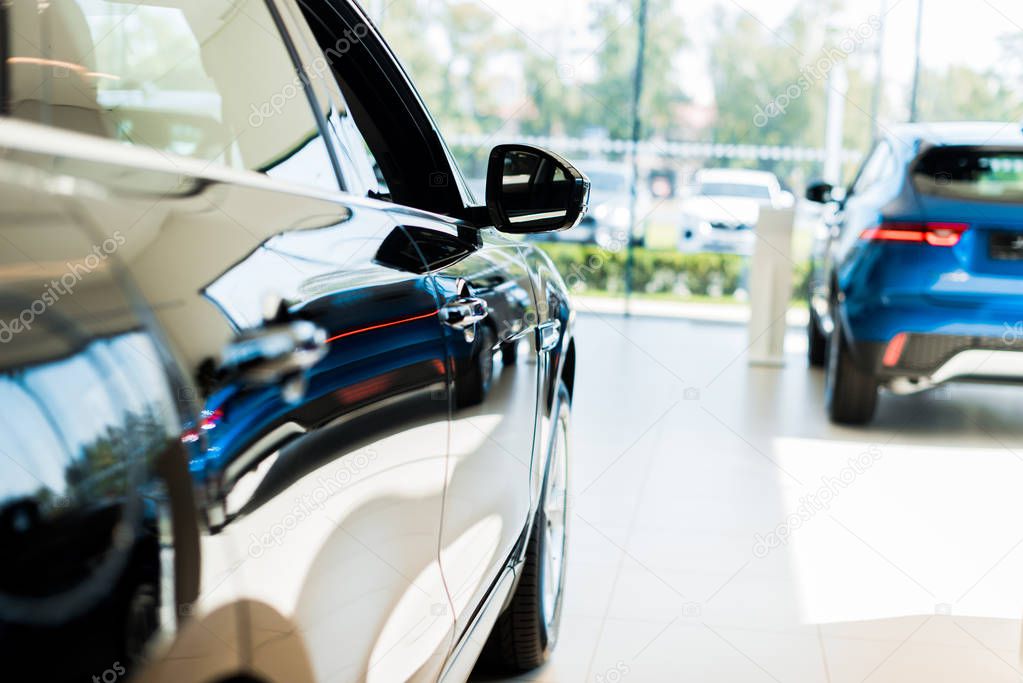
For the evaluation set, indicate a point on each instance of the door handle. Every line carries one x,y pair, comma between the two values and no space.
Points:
464,312
274,352
548,335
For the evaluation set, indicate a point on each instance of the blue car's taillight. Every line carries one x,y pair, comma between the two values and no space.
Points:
937,234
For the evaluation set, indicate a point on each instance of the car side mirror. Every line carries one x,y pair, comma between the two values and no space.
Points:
821,192
531,190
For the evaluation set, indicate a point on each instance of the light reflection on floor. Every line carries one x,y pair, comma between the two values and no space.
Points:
684,457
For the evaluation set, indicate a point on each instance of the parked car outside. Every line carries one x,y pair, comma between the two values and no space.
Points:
606,224
721,213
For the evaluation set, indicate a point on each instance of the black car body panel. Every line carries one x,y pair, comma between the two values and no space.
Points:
203,505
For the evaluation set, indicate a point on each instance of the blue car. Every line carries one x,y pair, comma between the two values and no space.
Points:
919,279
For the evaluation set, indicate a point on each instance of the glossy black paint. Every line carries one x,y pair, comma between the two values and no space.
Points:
133,461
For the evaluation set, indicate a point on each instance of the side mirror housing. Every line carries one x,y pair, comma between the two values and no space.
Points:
531,190
820,192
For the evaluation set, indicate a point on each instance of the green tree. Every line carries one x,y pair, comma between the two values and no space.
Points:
607,101
772,86
961,93
461,91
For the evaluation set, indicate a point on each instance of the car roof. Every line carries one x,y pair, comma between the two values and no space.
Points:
736,175
960,133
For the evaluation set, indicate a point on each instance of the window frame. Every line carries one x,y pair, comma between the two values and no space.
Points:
327,97
311,100
431,154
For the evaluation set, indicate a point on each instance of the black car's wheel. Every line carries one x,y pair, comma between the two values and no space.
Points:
817,351
475,376
525,634
850,393
510,352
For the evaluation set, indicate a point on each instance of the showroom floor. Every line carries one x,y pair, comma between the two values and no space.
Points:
724,531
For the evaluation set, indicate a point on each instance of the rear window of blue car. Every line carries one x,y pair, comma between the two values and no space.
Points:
976,173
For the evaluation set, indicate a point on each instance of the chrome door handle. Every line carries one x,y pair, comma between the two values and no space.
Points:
272,353
464,312
548,335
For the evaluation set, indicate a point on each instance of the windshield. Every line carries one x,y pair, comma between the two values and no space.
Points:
607,181
743,190
971,173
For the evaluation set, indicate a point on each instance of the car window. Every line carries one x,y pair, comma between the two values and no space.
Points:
363,172
971,173
209,79
743,190
406,150
878,165
607,181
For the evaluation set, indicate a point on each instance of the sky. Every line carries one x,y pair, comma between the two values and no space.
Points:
954,31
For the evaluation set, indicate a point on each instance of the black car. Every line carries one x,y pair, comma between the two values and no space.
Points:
279,402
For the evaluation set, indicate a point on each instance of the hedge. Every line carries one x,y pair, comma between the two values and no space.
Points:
591,268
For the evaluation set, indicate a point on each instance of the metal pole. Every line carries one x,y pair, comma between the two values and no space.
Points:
875,105
913,108
834,125
637,95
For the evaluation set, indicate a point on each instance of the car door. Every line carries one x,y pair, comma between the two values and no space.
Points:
336,494
303,315
489,317
487,302
843,223
98,520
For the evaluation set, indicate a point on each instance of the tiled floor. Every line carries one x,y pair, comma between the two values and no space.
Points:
903,559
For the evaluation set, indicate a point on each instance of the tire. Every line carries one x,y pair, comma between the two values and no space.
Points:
817,352
510,352
526,633
850,393
474,379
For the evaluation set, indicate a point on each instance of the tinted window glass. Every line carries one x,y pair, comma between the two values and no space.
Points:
605,181
877,166
735,190
971,173
209,79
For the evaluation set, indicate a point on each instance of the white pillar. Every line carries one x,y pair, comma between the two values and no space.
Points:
770,286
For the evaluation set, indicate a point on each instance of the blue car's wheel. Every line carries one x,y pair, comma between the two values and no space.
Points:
817,352
850,393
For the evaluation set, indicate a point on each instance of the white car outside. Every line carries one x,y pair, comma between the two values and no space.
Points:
721,213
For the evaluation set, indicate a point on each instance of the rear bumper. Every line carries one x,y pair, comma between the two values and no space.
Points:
928,360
